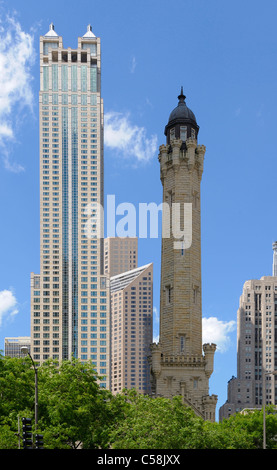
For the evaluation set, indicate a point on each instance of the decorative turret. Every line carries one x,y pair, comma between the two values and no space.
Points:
51,33
181,123
209,350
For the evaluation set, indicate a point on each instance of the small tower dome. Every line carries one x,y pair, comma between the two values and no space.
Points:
182,122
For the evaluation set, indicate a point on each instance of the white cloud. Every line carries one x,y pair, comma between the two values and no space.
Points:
214,331
8,305
217,331
128,140
133,64
17,55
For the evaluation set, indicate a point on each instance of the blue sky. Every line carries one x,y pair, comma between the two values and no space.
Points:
224,55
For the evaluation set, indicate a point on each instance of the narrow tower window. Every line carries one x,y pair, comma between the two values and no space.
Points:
195,294
182,344
168,292
172,133
183,133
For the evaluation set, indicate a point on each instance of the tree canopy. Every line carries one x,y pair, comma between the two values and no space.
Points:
75,412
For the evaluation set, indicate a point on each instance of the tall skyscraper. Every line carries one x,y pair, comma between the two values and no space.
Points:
120,255
70,296
131,329
256,347
178,365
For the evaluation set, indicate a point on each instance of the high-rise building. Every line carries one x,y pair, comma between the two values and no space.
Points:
256,347
13,346
120,255
69,298
131,329
178,364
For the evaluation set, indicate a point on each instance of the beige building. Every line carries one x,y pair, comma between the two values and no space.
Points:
256,347
120,255
178,364
13,346
70,296
131,329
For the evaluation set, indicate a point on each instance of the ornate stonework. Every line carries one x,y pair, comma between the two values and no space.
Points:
178,365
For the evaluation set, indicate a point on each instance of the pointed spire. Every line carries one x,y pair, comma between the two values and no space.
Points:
89,33
181,97
51,32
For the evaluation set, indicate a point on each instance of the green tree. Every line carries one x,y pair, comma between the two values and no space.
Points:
8,439
74,412
16,386
159,423
245,431
16,398
155,423
71,403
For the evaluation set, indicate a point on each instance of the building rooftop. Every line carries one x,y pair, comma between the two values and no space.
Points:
89,33
181,112
120,281
51,32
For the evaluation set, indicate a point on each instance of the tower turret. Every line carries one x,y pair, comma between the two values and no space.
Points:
181,123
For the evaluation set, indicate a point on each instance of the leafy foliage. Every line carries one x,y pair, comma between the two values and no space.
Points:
71,403
75,412
156,423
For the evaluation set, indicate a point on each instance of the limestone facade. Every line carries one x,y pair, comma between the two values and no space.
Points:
178,364
131,329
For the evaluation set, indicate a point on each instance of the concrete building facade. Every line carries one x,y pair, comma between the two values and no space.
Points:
178,364
120,255
131,329
256,347
13,346
70,296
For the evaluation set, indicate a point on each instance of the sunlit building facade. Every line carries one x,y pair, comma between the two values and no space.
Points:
256,347
131,329
120,255
13,346
70,296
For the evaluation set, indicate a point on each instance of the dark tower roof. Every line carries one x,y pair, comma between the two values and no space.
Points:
181,114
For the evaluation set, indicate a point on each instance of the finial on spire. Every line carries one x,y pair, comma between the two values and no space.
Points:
181,97
89,33
51,33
